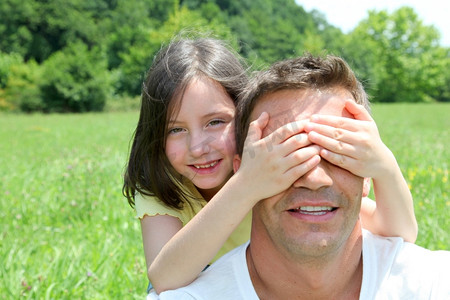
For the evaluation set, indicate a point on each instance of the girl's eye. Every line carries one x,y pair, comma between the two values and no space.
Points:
175,130
215,122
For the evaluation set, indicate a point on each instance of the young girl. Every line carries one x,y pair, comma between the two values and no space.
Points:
180,167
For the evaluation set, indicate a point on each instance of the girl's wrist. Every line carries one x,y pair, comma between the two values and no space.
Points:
239,186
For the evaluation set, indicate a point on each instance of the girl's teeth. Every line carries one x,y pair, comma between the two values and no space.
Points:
206,166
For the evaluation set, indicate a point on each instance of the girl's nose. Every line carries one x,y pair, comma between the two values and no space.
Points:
200,145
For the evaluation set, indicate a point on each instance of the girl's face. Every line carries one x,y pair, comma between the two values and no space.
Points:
200,142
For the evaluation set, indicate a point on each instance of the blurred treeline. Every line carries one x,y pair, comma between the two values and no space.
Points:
77,55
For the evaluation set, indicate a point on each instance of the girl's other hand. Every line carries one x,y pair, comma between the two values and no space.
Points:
352,144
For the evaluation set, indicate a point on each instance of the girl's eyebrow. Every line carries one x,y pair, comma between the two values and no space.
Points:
208,115
213,113
172,122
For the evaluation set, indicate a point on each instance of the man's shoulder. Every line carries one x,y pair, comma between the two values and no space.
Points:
399,250
222,280
392,267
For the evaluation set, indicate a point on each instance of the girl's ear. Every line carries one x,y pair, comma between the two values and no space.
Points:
366,187
236,162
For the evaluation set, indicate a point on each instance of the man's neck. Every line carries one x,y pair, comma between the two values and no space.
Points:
336,276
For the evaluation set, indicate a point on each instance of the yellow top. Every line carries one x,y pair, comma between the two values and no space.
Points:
152,206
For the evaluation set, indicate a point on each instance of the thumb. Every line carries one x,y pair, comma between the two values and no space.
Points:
256,128
358,111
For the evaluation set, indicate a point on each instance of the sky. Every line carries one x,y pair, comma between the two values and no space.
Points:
347,14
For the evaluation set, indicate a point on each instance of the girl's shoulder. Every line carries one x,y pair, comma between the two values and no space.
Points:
152,206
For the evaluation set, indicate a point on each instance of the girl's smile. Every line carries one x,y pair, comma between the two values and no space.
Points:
206,168
200,141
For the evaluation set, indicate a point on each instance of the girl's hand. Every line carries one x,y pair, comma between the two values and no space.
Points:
352,144
271,164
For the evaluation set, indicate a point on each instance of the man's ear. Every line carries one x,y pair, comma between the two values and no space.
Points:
366,187
236,162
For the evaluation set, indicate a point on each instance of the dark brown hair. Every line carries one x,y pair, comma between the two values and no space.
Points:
148,170
306,72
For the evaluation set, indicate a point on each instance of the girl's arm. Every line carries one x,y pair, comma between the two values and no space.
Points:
269,166
156,232
394,211
177,258
355,145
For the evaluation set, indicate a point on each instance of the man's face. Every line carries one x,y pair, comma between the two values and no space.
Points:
318,213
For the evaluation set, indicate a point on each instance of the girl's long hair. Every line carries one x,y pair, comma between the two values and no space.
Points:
148,170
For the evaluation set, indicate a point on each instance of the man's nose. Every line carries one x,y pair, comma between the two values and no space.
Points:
315,179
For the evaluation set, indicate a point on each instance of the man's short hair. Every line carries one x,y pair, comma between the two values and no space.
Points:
306,72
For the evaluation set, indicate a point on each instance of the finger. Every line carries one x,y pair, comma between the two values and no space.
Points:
333,121
284,132
294,143
342,161
299,170
256,128
320,131
300,156
358,111
339,146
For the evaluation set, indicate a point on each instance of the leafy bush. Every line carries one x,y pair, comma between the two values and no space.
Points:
181,22
22,89
19,84
6,61
76,79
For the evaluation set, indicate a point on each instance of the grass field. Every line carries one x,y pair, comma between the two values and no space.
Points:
67,232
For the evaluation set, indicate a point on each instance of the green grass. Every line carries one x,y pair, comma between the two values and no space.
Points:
67,232
419,136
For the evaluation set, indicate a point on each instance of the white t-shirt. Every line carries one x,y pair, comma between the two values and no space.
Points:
392,269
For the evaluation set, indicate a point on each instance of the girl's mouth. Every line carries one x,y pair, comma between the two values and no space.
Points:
206,169
205,166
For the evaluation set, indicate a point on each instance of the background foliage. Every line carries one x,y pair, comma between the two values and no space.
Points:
68,233
75,55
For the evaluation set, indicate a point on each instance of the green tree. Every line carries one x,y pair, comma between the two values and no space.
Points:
6,61
36,29
181,21
18,18
22,90
76,79
129,22
269,30
399,57
266,30
322,37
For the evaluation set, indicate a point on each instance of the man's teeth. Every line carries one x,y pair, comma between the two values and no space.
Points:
314,210
206,166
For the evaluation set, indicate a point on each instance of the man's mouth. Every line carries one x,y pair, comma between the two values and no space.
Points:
313,210
205,166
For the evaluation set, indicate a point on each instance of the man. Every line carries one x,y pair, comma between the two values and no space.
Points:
307,242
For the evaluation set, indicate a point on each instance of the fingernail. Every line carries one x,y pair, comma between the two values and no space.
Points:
314,118
309,126
312,134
